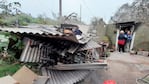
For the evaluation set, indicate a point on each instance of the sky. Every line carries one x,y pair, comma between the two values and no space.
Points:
89,8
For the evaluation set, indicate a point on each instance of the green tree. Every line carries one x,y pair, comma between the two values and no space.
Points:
8,8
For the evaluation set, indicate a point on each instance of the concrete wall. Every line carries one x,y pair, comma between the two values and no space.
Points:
101,31
142,37
111,33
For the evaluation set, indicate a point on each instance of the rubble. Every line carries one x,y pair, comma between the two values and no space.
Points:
48,47
62,58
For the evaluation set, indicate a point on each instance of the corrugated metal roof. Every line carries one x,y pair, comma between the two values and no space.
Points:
90,45
33,54
47,33
64,77
32,30
42,32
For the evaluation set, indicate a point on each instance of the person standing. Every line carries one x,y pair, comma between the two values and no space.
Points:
129,38
121,41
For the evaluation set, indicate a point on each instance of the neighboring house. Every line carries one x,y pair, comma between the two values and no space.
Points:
139,31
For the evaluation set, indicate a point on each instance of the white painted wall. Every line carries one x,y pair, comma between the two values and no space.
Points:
116,45
132,41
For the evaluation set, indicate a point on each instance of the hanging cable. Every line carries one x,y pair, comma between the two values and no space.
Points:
84,2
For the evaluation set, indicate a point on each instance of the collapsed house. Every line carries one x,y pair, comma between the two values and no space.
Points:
59,53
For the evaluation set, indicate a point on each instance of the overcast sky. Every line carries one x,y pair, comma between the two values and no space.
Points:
90,8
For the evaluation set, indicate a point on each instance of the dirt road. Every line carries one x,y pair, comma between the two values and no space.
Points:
122,67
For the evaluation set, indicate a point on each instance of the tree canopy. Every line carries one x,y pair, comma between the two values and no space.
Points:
10,15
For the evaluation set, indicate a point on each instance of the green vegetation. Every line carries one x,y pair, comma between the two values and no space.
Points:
11,15
12,43
8,61
8,69
41,19
24,20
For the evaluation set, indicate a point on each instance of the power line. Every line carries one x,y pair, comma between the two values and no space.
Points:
84,2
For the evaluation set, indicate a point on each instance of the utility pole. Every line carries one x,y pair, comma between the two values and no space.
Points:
60,15
60,8
80,13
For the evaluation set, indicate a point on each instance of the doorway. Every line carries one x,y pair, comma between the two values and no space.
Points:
127,26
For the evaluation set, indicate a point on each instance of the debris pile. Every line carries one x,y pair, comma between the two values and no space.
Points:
64,57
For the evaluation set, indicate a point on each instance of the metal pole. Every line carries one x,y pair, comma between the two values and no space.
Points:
60,13
60,8
80,13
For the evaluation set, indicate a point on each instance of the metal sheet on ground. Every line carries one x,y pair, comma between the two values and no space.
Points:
82,66
64,77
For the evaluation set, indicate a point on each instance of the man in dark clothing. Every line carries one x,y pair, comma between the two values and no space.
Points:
77,31
121,41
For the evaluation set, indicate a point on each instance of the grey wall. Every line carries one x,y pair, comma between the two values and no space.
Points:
142,37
